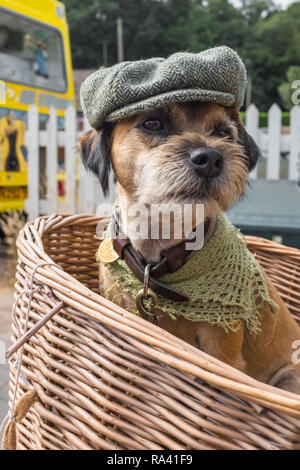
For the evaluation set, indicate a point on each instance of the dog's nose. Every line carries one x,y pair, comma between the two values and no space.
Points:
208,162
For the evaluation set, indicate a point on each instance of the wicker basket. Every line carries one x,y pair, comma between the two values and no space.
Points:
107,379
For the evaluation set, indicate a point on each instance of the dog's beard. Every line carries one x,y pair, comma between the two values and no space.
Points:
172,180
163,178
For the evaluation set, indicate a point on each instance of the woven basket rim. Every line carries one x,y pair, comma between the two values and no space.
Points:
158,343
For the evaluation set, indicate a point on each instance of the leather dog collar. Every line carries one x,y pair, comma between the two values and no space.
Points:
171,260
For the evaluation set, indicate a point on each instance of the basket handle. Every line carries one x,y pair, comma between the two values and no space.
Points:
34,329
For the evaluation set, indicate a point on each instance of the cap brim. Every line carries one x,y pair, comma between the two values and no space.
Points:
176,96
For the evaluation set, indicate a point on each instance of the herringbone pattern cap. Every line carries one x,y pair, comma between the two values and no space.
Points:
215,75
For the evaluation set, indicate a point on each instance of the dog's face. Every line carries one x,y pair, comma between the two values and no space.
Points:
184,153
196,152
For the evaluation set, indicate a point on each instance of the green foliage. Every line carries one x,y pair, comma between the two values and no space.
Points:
286,119
208,24
263,119
275,47
266,38
285,89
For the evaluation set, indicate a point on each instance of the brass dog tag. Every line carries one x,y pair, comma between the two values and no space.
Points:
106,251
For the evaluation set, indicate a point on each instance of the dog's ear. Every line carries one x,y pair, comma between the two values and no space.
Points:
251,149
95,150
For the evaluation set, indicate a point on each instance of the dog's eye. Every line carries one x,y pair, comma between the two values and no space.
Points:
152,125
221,133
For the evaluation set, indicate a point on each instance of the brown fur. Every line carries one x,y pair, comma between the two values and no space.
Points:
153,170
143,166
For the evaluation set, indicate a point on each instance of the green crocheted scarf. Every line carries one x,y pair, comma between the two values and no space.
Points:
223,280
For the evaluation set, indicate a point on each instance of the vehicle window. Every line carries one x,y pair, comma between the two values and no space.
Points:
31,53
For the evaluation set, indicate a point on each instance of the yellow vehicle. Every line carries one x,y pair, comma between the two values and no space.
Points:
35,68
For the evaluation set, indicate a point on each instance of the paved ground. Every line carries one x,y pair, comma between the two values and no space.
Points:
6,301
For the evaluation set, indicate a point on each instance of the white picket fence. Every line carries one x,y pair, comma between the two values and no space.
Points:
83,194
82,191
273,142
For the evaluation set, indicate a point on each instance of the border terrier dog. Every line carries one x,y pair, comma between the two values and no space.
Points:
194,152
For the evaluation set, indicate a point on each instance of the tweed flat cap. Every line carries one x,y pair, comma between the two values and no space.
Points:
216,75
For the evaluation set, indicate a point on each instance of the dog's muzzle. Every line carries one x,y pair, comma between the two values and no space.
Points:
208,162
